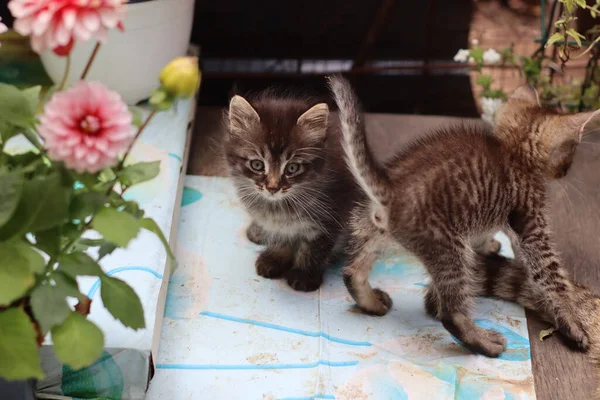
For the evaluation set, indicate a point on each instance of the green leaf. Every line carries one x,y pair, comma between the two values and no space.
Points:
575,35
15,276
49,305
15,107
106,249
77,264
66,284
150,225
137,116
33,98
140,172
85,204
77,341
107,175
117,227
35,261
484,80
27,162
554,38
133,208
37,212
19,356
11,185
581,3
122,302
48,241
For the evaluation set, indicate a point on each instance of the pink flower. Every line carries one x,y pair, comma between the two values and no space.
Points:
3,28
87,127
54,23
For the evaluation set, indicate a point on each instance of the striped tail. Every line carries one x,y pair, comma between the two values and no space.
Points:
368,174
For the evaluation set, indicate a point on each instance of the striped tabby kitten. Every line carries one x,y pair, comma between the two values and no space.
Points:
285,158
443,198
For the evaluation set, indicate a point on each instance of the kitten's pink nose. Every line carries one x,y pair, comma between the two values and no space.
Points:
272,190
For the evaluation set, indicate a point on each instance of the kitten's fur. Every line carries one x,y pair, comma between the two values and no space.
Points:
443,197
299,216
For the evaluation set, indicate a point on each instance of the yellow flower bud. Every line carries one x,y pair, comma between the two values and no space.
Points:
181,77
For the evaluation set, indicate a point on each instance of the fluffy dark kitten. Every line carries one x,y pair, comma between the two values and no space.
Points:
285,159
445,195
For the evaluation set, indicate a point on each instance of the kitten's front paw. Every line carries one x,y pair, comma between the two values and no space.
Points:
303,281
256,234
270,266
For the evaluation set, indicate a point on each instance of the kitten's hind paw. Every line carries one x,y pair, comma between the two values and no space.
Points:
303,281
378,304
487,342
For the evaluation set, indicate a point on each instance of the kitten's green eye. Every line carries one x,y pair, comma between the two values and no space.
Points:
257,165
292,168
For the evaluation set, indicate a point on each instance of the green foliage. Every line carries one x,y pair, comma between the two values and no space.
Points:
138,173
19,357
78,342
46,212
122,302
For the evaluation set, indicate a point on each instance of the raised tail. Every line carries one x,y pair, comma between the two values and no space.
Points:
368,174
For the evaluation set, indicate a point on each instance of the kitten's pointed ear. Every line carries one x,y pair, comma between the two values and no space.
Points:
583,119
242,116
314,122
526,93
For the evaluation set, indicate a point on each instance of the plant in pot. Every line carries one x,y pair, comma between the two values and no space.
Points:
62,204
544,70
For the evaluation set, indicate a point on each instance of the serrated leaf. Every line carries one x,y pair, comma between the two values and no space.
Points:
77,264
140,172
15,107
85,204
117,227
37,212
48,241
19,356
122,302
106,249
575,35
67,284
150,225
15,276
11,186
554,38
78,342
49,305
35,261
32,95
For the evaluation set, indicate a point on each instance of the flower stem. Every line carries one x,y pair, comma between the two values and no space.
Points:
90,61
137,135
63,82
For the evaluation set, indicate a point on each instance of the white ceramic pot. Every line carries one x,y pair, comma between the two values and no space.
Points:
156,31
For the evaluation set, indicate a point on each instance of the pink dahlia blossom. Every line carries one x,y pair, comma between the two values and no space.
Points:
3,28
87,127
56,23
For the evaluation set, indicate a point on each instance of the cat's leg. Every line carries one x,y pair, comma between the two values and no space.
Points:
256,234
453,288
364,250
275,261
547,278
310,261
